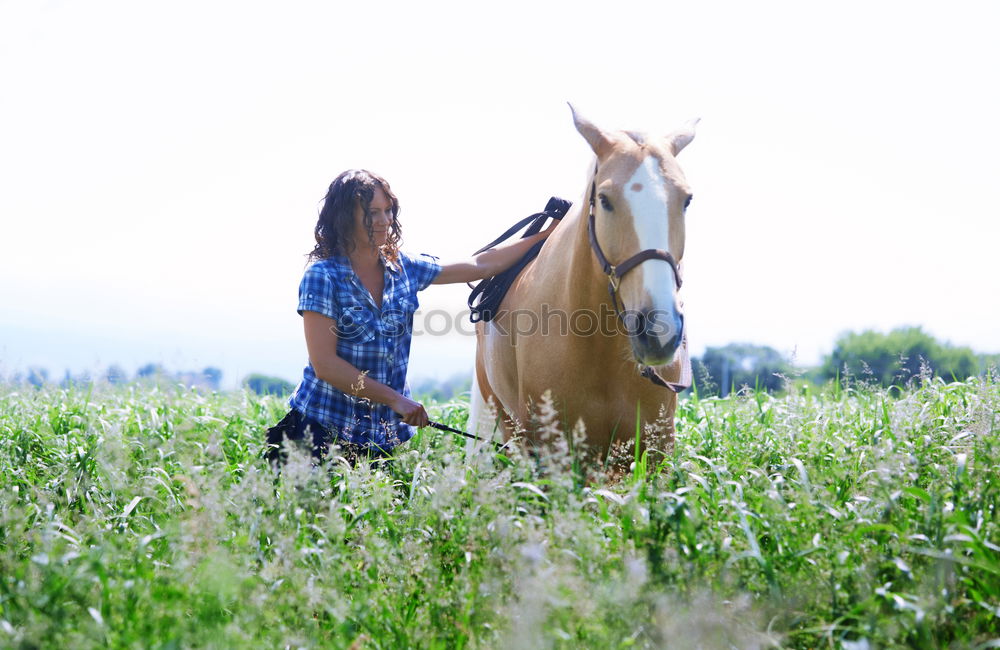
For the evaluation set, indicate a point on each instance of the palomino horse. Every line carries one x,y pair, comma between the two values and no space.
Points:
605,336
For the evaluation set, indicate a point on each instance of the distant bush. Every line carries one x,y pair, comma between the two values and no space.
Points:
443,390
893,359
267,385
151,370
116,375
37,376
989,363
723,370
208,378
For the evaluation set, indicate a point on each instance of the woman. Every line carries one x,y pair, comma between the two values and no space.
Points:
357,300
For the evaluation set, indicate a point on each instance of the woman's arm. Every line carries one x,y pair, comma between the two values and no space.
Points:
490,262
321,342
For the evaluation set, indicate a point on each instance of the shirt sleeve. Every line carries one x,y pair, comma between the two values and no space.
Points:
423,268
316,292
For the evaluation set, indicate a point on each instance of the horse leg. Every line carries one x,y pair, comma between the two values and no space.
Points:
486,417
478,410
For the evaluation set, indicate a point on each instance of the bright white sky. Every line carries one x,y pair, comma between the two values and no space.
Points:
162,164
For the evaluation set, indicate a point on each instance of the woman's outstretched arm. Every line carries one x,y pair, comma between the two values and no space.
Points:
321,342
490,262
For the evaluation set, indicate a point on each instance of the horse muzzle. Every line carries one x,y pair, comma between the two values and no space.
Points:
655,335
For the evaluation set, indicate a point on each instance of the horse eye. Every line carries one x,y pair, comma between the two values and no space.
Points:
687,202
606,204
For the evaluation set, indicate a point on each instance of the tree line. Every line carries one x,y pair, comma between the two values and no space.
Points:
886,359
896,358
208,378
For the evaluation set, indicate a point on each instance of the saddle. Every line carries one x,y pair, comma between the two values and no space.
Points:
485,299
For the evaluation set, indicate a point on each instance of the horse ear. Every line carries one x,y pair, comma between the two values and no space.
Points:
683,136
595,137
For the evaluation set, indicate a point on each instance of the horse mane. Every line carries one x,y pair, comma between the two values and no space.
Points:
637,137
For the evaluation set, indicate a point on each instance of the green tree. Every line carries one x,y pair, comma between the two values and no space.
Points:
213,376
733,366
151,370
895,358
78,381
989,363
443,390
115,374
266,385
37,376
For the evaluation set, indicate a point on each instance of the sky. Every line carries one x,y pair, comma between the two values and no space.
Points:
162,164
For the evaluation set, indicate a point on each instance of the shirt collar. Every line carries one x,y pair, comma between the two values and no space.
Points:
345,262
392,268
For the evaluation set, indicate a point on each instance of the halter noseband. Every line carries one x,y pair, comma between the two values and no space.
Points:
615,273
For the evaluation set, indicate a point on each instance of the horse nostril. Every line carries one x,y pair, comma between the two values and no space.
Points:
655,329
662,329
638,325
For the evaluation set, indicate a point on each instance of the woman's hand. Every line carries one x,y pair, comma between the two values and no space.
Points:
410,412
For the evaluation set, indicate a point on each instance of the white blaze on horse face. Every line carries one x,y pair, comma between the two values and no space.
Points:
647,196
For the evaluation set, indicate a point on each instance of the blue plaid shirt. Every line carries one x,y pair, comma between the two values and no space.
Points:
375,341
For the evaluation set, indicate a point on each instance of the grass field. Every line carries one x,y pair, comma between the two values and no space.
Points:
141,517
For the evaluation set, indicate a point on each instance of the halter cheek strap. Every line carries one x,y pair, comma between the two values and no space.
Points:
615,272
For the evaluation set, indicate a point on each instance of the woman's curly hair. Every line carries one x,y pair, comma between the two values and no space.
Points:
335,227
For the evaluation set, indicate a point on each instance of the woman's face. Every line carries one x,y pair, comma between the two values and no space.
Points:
380,211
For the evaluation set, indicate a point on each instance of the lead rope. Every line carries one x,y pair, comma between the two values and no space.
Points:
684,381
445,427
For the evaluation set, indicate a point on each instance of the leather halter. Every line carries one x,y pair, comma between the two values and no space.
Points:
615,273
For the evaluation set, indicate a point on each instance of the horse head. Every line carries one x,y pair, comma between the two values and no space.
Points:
638,199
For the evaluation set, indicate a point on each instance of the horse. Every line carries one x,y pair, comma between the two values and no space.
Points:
594,322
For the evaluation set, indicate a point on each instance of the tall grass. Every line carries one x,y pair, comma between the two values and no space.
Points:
143,517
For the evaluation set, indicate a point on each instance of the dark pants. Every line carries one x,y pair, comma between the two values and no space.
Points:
302,429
